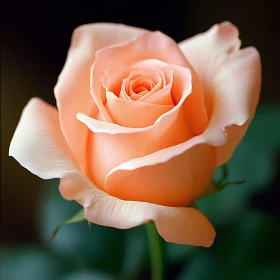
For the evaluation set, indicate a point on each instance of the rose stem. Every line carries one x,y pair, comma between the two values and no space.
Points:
156,252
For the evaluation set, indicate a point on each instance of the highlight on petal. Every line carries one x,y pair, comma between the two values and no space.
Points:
38,143
237,86
206,51
39,146
231,80
72,90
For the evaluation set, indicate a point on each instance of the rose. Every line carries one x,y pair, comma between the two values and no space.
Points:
141,124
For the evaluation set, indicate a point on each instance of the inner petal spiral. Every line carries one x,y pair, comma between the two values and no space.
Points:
141,82
132,92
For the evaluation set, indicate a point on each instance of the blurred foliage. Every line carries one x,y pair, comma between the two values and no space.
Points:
31,262
246,247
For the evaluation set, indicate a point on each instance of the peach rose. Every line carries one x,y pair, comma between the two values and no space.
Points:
142,123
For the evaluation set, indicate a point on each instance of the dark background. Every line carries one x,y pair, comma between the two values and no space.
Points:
35,37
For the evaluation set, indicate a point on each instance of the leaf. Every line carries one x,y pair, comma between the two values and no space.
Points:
77,218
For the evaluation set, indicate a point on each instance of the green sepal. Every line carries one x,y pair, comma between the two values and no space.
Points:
77,218
216,186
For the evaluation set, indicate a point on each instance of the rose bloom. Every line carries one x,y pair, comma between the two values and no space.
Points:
141,124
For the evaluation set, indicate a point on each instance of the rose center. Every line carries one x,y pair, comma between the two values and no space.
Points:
143,81
140,85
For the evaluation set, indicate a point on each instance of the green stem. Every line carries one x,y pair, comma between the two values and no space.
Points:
156,252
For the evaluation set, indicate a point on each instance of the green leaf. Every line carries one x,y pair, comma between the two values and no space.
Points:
77,218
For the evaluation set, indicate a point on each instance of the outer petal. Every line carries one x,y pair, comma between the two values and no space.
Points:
231,79
173,176
237,87
72,90
206,51
39,145
176,225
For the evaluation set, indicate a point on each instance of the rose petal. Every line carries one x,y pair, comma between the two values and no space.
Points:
117,79
141,48
154,175
177,225
183,88
72,89
126,143
126,112
237,86
231,81
38,143
134,114
207,50
158,95
39,146
174,176
106,150
194,107
112,80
